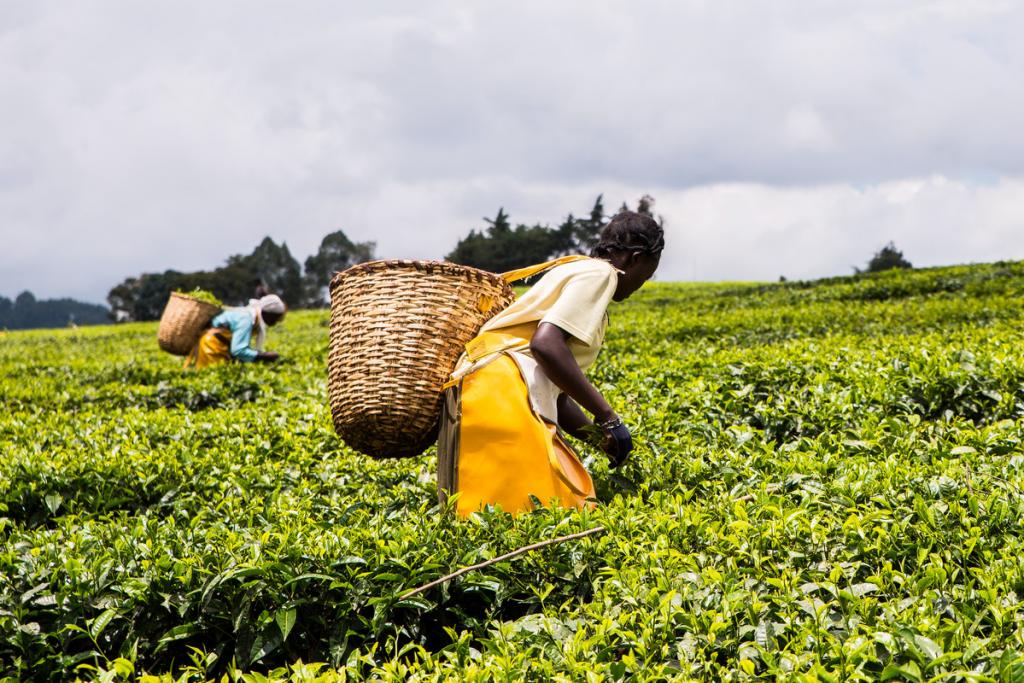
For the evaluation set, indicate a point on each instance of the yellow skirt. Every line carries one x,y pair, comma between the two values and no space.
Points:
495,450
213,348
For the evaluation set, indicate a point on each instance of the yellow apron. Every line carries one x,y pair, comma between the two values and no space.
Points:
213,348
493,449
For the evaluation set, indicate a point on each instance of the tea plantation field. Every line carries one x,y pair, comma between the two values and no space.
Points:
827,487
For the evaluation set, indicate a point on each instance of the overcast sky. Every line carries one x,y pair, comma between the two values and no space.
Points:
782,138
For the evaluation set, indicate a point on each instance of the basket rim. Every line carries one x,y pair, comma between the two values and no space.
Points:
443,267
194,300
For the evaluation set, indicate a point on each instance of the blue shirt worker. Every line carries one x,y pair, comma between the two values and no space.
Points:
231,333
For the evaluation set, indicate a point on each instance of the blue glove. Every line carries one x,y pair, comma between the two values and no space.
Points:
620,442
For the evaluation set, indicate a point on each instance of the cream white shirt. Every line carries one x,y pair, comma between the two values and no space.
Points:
573,296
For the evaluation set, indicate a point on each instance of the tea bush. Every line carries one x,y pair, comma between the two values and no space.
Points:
826,487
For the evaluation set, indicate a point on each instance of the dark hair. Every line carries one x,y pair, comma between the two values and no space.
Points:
630,231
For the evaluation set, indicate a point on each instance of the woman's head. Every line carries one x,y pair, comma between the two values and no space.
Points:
632,242
272,309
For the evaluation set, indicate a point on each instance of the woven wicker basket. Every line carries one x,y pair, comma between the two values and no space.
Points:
397,329
183,321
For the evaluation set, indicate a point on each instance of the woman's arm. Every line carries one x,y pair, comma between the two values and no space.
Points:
241,333
572,419
549,348
552,354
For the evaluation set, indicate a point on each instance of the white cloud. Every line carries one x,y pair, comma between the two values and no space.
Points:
807,131
759,232
157,135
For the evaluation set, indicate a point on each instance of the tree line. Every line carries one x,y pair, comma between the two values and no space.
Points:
500,247
270,266
27,312
497,246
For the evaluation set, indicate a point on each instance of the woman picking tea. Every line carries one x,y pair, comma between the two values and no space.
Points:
231,332
522,378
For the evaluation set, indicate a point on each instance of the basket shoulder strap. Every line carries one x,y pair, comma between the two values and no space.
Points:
522,273
490,343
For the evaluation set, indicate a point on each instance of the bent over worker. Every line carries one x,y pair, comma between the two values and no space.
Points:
231,333
522,378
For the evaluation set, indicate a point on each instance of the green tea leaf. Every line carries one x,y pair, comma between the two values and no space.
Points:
285,621
99,623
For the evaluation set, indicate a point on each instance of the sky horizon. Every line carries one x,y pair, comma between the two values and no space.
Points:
788,140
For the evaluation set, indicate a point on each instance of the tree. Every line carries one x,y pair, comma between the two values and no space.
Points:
144,297
274,265
644,205
27,312
887,258
579,235
24,301
6,311
122,299
337,252
502,247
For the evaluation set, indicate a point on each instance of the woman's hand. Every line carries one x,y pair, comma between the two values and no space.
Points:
618,442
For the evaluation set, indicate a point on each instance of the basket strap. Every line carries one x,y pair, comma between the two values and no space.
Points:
491,343
482,350
522,273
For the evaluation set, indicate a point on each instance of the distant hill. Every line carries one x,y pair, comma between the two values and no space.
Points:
27,312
